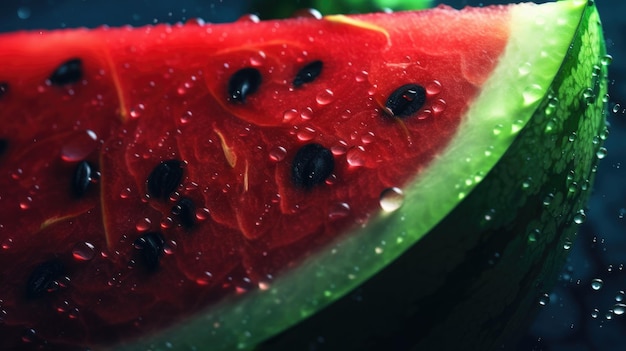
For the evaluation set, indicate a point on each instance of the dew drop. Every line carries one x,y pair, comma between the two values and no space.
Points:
532,93
340,148
433,88
166,222
29,335
616,108
306,134
202,214
307,13
356,156
596,284
544,299
619,309
7,243
438,106
606,60
601,153
290,115
324,97
339,210
595,313
524,69
278,153
83,251
361,76
391,199
136,111
185,117
125,193
250,17
143,224
579,218
567,245
258,59
79,146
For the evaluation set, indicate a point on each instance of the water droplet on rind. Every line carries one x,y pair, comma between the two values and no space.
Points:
391,199
83,251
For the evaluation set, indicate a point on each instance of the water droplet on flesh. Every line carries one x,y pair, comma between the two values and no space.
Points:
79,146
391,199
83,251
324,97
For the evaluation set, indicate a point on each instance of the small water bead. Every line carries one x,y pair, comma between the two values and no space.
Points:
601,153
325,97
497,130
307,13
433,88
136,111
616,108
595,313
438,106
186,117
340,148
258,58
356,156
606,60
544,299
143,224
579,217
7,243
368,138
290,115
83,251
547,200
619,309
249,17
306,134
524,69
361,76
588,96
567,245
278,153
79,145
125,193
339,210
166,222
391,199
306,114
25,205
596,284
532,93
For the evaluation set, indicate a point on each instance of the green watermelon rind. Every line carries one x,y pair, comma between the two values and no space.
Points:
539,42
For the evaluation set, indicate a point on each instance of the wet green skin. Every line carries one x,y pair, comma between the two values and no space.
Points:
479,290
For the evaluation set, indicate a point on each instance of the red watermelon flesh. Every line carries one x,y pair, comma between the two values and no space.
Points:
147,95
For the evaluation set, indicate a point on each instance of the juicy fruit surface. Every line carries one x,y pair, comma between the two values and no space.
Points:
141,181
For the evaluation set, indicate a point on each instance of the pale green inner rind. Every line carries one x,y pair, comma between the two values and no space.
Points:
540,37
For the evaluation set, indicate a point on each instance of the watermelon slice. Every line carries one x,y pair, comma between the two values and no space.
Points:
342,183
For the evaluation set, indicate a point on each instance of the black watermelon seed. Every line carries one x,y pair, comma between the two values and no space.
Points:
185,210
43,278
308,73
312,165
150,246
70,71
243,83
4,87
83,175
406,100
165,178
4,145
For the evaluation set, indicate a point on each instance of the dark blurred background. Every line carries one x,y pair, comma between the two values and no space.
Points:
587,310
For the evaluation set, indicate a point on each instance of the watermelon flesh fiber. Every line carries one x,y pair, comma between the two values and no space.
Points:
159,93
